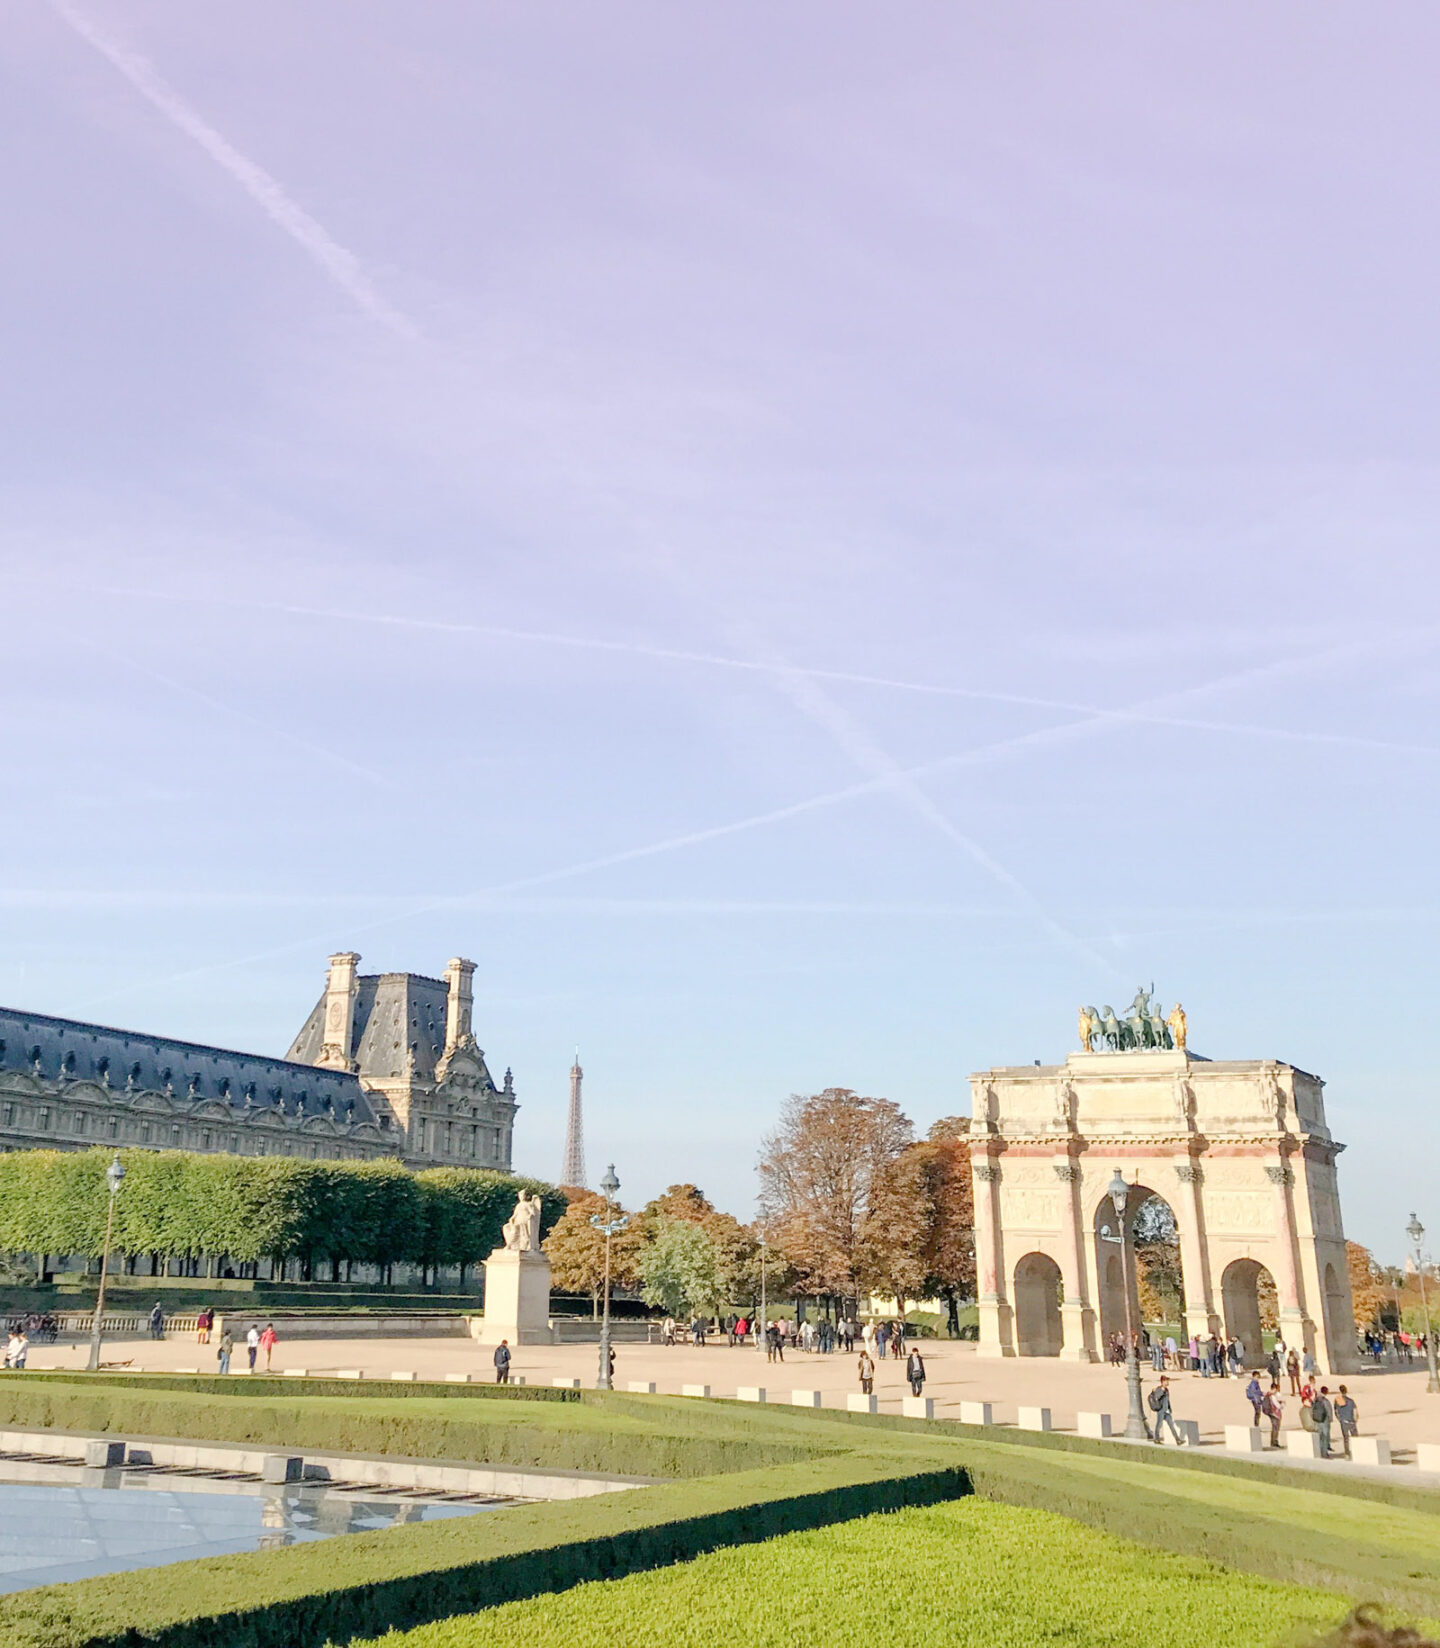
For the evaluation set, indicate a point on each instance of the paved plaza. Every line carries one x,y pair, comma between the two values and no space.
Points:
1393,1402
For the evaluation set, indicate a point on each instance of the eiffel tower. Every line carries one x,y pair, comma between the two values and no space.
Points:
573,1171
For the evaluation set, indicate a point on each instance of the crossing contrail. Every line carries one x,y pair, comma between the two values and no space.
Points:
339,263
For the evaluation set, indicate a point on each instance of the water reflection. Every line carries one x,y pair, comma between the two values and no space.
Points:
59,1524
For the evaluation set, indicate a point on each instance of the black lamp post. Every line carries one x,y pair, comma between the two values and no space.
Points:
114,1178
1136,1430
608,1227
1416,1232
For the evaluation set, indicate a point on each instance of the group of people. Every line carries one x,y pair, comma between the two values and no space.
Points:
820,1337
1403,1348
17,1347
1319,1411
35,1328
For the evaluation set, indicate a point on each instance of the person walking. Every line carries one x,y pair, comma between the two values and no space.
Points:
157,1322
501,1359
1255,1397
252,1345
1159,1400
225,1349
915,1371
1274,1408
1292,1369
22,1351
1322,1411
867,1373
269,1339
1349,1417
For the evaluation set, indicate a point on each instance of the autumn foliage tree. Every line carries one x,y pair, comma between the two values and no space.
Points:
819,1171
918,1237
1369,1287
576,1249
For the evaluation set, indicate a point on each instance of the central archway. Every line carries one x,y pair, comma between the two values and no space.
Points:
1246,1290
1038,1291
1157,1293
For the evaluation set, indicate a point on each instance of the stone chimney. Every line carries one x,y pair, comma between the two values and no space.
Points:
336,1051
459,1000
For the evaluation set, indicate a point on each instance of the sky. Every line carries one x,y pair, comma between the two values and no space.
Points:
808,542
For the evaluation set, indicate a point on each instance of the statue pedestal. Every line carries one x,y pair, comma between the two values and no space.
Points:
517,1299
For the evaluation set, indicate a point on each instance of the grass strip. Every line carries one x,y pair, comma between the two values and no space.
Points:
971,1572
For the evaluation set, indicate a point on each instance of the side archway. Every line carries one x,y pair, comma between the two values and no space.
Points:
1244,1284
1038,1291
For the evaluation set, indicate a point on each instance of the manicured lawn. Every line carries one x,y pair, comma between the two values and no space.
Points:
966,1573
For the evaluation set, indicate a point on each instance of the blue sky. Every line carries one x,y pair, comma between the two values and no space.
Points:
808,543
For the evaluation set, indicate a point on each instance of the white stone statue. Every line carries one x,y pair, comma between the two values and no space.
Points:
522,1230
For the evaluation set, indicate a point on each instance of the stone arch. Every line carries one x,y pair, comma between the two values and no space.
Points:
1109,1265
1241,1284
1339,1312
1038,1291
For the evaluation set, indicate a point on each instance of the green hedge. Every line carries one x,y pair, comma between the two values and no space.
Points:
250,1387
366,1583
569,1438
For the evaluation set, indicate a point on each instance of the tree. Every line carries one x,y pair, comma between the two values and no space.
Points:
680,1270
576,1249
950,1250
1368,1287
817,1173
919,1232
1157,1261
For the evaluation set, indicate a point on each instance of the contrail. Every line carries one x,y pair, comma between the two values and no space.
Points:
186,690
340,264
1139,715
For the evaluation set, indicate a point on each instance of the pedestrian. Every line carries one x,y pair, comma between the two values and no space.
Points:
882,1339
22,1351
1157,1354
252,1345
1159,1400
1349,1416
501,1359
1194,1351
1255,1396
1274,1407
269,1339
203,1322
610,1365
1307,1366
1273,1366
1292,1368
867,1373
12,1348
225,1350
915,1371
1322,1411
157,1322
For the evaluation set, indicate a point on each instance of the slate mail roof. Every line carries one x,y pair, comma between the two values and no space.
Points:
67,1048
394,1012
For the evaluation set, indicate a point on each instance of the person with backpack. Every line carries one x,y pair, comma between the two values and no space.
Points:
501,1359
1322,1411
1255,1397
1159,1401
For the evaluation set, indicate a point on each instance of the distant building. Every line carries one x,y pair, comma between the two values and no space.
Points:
386,1065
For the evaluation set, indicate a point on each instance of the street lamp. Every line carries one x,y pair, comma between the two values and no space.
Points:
608,1227
1136,1430
114,1177
1416,1232
760,1330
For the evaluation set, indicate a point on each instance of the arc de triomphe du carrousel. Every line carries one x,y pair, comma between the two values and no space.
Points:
1239,1150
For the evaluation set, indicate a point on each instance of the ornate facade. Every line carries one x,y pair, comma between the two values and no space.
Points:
385,1065
1239,1150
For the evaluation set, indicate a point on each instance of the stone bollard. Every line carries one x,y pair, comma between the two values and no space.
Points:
750,1393
1244,1439
1190,1431
281,1467
856,1402
1302,1444
404,1378
459,1378
918,1407
977,1413
566,1384
1034,1419
639,1387
804,1399
1093,1424
1369,1450
1427,1456
348,1373
517,1379
104,1455
294,1373
694,1390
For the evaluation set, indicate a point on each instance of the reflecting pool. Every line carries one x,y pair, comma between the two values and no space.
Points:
60,1523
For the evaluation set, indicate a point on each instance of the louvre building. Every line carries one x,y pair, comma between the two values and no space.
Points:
385,1065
